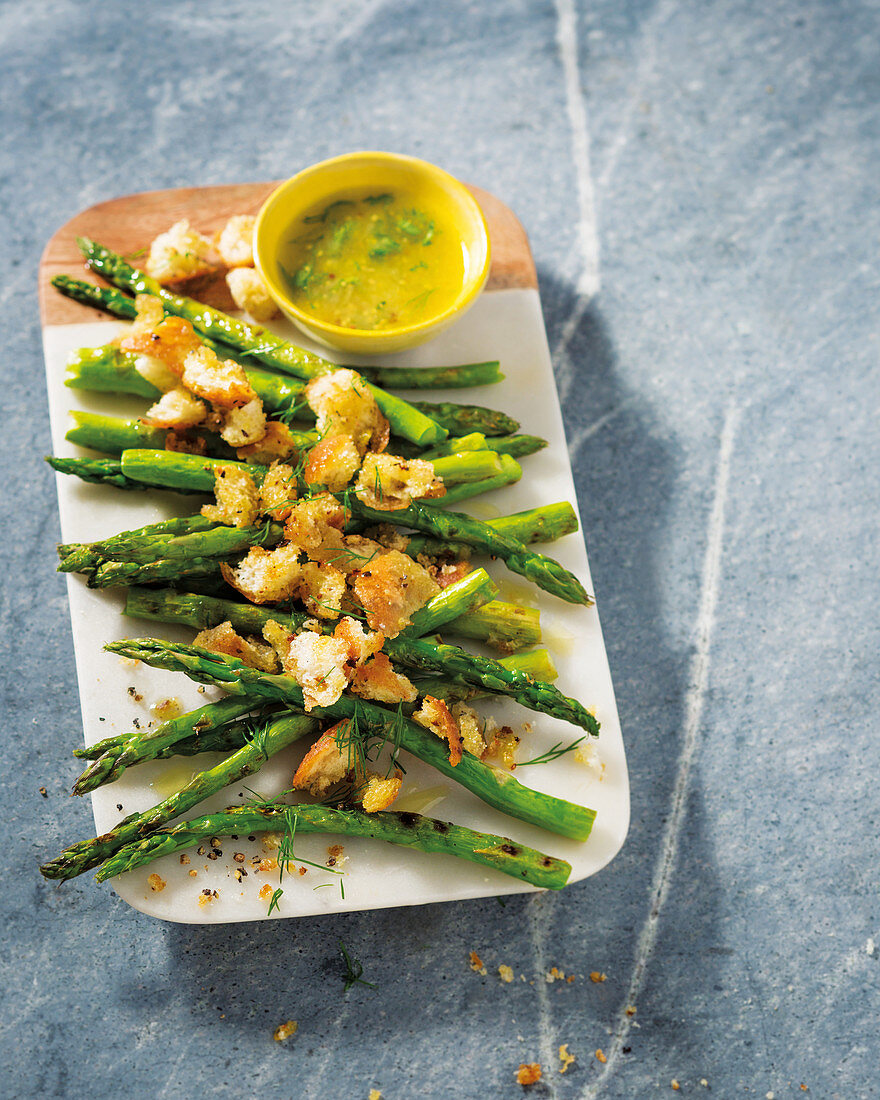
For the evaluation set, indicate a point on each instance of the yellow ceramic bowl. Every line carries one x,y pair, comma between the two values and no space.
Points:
434,190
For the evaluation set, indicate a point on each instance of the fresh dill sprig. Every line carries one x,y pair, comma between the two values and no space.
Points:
256,734
555,752
274,900
354,970
288,414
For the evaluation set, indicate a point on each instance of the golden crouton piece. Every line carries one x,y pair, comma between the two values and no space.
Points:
379,792
361,644
236,241
278,492
171,340
276,445
222,382
435,716
317,663
238,499
149,313
471,728
377,680
323,766
178,254
250,294
344,406
391,588
245,425
529,1073
316,522
224,639
387,482
321,589
355,553
265,576
175,409
332,462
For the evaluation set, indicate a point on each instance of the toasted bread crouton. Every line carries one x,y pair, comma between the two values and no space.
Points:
321,588
361,644
250,294
323,766
265,576
179,253
471,728
379,792
391,588
224,639
278,492
172,339
156,372
316,522
502,746
175,409
355,553
238,499
446,572
344,405
149,313
245,425
236,241
377,680
387,482
435,716
276,445
317,663
220,381
332,462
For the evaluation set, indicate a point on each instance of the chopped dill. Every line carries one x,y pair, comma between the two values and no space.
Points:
274,900
354,970
554,753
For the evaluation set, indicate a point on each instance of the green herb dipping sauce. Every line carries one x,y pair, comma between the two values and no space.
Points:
373,262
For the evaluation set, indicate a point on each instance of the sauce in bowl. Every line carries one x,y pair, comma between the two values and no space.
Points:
377,261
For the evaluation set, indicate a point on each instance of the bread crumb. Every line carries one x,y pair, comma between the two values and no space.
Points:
193,874
554,975
600,1057
597,976
375,1094
674,1084
156,883
184,859
207,896
630,1010
265,892
284,1031
705,1083
476,963
505,973
529,1073
565,1058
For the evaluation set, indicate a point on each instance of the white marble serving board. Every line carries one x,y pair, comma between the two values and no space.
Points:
503,324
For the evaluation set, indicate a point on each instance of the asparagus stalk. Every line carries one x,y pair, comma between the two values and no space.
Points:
275,735
414,653
509,473
78,556
503,626
96,471
410,830
405,420
463,419
456,526
141,745
544,524
120,305
496,788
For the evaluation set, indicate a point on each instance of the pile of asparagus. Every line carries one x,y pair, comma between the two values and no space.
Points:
172,574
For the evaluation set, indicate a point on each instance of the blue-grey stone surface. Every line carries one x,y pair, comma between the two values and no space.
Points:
716,164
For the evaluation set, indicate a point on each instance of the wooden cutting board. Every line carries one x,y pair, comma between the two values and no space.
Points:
129,223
